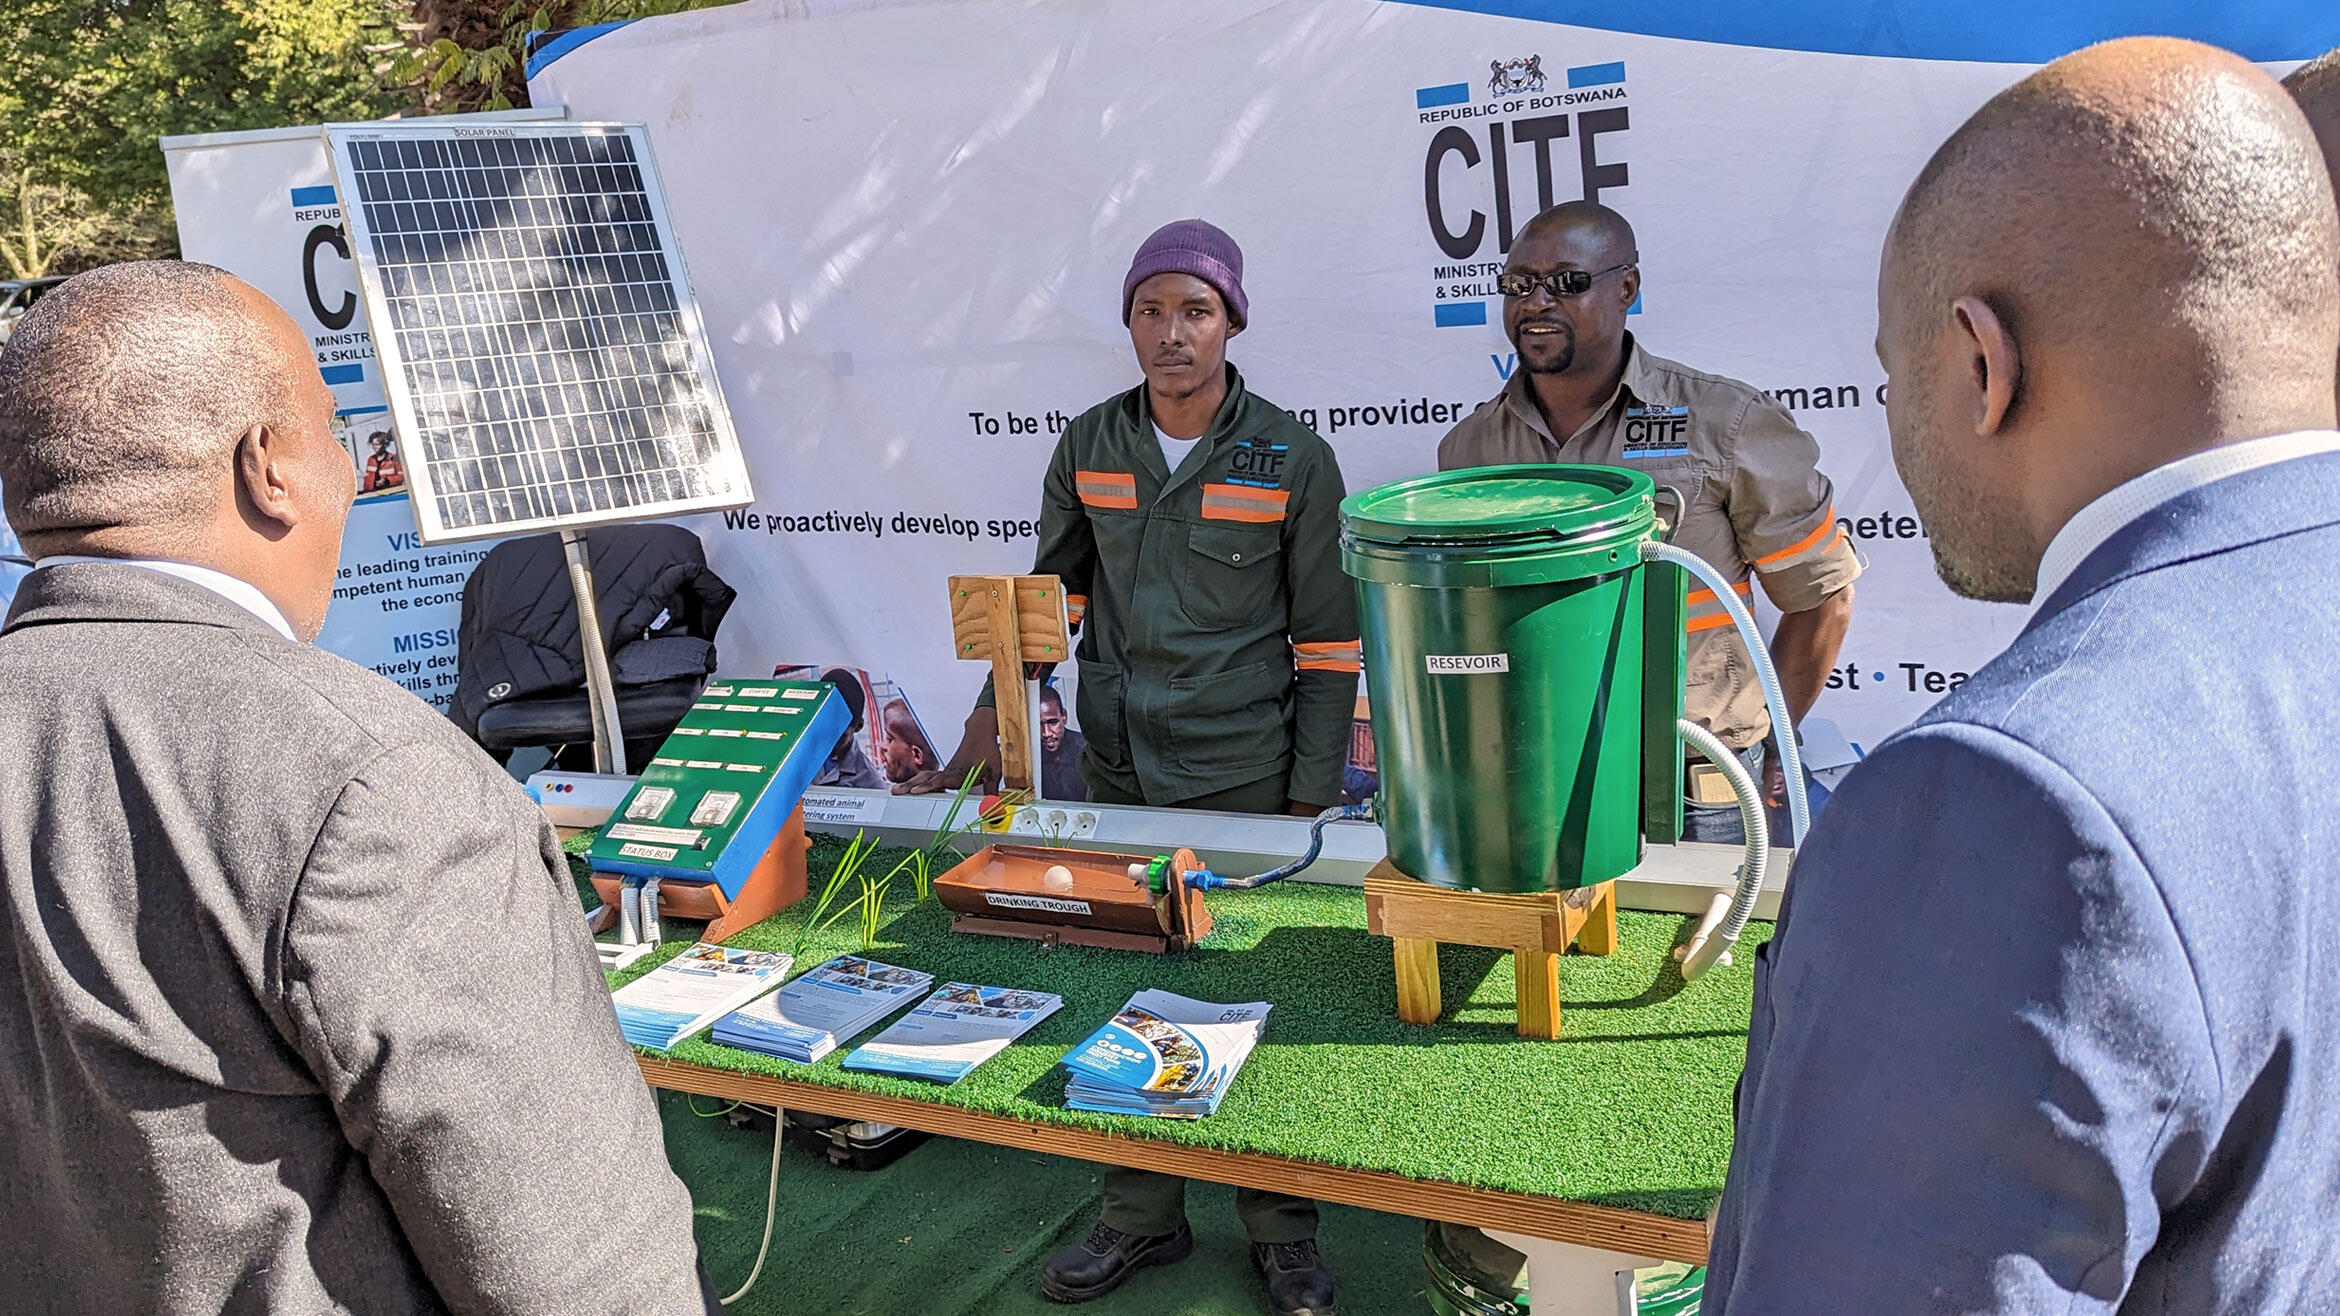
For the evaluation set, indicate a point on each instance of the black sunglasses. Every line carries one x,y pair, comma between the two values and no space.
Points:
1560,283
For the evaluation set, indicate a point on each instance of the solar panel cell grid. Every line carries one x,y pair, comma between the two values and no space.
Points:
546,357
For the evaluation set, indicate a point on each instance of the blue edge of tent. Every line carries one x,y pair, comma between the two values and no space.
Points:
1987,31
545,47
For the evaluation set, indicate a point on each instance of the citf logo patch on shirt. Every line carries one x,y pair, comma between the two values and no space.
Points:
1257,465
1654,432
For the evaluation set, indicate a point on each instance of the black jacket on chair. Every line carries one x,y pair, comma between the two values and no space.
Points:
520,675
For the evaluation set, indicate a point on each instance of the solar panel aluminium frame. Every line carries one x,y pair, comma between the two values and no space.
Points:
727,468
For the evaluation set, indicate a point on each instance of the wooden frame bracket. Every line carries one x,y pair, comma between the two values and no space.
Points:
1537,929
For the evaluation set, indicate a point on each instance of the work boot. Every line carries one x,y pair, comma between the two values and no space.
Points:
1098,1266
1298,1282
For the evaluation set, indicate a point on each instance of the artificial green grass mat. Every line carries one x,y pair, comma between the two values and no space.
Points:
1631,1107
961,1229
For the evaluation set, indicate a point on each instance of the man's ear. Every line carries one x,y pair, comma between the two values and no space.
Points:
263,481
1994,363
1629,287
1233,329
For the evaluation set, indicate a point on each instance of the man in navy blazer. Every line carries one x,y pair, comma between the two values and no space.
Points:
2051,1021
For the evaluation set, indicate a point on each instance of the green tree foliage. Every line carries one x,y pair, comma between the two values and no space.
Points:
86,86
459,56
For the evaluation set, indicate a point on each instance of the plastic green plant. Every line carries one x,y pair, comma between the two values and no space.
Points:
857,852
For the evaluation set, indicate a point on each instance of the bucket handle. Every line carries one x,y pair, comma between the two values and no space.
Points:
1681,507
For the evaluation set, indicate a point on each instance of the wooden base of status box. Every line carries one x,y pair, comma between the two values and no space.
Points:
777,882
1537,929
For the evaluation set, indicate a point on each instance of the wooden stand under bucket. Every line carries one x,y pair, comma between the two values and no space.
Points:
1537,930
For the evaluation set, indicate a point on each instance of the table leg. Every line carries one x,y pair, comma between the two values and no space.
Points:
1565,1279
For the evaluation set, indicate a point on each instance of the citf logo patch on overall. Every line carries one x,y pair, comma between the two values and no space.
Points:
1253,490
1655,432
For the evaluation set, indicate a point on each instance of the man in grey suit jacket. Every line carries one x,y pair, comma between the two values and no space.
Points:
297,1010
2051,1021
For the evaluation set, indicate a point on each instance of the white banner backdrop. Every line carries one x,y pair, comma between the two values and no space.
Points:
908,224
261,206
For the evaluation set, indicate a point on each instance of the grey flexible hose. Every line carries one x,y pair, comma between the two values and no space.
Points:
1783,728
1713,940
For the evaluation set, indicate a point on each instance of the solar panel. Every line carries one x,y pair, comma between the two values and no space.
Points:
544,358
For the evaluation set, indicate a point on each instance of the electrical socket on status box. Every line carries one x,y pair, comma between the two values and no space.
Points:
1061,822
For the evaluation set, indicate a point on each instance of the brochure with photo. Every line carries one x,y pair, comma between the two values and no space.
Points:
1164,1055
806,1019
692,990
951,1032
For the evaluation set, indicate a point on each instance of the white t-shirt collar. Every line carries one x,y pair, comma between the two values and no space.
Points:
2092,525
1175,451
242,593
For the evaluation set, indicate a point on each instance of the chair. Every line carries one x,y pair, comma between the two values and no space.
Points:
520,668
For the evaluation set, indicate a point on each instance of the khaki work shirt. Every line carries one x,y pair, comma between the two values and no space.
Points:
1755,503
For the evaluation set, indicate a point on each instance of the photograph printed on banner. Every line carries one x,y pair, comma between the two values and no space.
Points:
884,742
373,450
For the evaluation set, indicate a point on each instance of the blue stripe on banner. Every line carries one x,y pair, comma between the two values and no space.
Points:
543,50
1597,75
348,374
1451,314
1990,31
313,196
1453,93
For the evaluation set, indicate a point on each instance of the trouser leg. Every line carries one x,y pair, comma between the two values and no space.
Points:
1142,1202
1275,1217
1263,796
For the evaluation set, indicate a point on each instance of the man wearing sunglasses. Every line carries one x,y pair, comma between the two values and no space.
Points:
1746,490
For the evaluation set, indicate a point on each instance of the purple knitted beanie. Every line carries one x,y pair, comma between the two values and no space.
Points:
1191,246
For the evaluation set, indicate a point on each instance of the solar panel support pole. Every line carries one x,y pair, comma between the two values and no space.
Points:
609,744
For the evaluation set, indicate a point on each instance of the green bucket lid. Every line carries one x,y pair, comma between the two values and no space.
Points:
1540,521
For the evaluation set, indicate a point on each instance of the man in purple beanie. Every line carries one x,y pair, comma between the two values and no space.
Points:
1196,527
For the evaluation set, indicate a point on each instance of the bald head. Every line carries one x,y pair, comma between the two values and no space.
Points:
1598,233
165,409
2130,255
122,394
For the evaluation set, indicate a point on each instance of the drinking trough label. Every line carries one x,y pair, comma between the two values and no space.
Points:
1465,664
1052,905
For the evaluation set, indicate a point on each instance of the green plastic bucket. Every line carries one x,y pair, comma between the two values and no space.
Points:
1524,671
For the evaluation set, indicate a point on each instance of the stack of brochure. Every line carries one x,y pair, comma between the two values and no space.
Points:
685,994
954,1030
1163,1055
806,1019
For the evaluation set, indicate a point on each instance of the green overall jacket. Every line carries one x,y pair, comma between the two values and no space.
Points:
1218,633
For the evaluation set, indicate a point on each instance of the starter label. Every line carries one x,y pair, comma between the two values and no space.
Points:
1466,664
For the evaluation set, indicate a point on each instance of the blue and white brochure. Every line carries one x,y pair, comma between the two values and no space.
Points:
685,994
1164,1055
806,1019
959,1027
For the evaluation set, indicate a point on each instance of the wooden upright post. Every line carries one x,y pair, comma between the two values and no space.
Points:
1010,621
